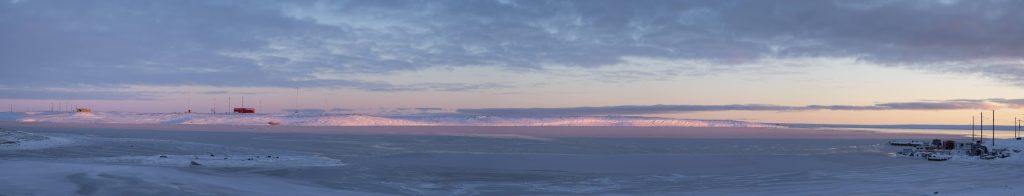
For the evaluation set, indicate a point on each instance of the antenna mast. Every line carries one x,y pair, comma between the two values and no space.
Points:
1016,127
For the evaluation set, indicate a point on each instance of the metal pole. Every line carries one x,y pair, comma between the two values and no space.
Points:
296,100
993,127
972,128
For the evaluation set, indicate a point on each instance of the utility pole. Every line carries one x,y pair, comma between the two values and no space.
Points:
213,106
296,100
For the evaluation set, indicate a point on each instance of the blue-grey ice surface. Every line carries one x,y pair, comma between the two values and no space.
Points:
103,161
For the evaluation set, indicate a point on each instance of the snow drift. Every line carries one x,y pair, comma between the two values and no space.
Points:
19,140
367,120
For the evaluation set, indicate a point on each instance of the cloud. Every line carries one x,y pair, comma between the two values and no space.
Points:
340,110
666,109
1014,103
284,44
45,94
308,111
453,87
51,44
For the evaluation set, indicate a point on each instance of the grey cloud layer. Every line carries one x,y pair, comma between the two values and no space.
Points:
282,44
57,95
666,109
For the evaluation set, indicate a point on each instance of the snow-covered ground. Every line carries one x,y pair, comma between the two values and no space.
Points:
118,159
37,177
19,140
1013,147
11,116
362,120
221,160
85,164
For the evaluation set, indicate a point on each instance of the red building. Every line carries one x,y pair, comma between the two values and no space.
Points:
245,110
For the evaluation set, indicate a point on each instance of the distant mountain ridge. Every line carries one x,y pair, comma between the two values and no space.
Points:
366,120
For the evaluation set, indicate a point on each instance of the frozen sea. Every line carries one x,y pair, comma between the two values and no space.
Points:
106,159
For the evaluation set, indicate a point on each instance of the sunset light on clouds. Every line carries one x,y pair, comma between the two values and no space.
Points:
932,62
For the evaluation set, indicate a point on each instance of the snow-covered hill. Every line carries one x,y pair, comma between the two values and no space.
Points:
365,120
587,121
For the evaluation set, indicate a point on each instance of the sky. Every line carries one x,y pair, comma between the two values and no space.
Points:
792,61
